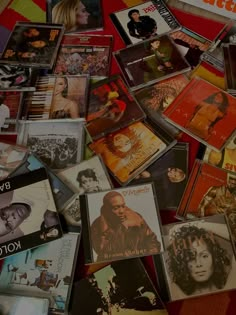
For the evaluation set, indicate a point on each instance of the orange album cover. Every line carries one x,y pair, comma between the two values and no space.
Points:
205,112
128,151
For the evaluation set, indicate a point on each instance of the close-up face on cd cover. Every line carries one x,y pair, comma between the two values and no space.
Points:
120,225
199,257
33,45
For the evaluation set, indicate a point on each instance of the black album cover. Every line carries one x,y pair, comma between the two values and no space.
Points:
28,213
121,287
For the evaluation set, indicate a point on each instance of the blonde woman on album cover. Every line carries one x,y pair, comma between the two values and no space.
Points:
71,13
62,107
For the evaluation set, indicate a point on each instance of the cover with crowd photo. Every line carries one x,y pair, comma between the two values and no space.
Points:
10,109
214,55
118,225
57,97
127,152
84,54
111,107
190,44
46,271
76,16
17,304
109,292
155,98
61,192
198,258
11,156
150,61
33,45
58,143
205,112
169,174
144,21
28,213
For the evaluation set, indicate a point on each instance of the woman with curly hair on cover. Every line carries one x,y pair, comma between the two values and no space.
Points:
197,263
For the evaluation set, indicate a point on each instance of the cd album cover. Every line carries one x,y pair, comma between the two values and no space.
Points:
87,176
117,224
199,258
33,45
169,174
144,21
78,16
190,44
57,143
108,291
214,55
46,272
57,97
84,54
10,109
205,112
150,61
29,216
18,304
130,150
110,107
17,77
11,156
154,99
225,158
210,190
61,192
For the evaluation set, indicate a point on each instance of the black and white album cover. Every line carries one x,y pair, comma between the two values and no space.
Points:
57,143
117,224
120,288
28,215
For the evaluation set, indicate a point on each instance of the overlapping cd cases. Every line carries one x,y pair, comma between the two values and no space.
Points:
29,216
84,54
33,45
118,225
144,21
111,107
150,61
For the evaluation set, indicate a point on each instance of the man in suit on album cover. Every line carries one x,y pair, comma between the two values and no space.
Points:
121,232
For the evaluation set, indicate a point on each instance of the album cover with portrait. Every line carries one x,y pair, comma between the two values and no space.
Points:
198,259
10,110
144,21
11,156
108,291
56,97
169,174
17,78
156,97
111,107
56,142
61,192
129,151
33,45
118,225
16,304
46,271
229,67
225,159
150,61
210,190
76,16
190,44
84,54
205,112
28,213
214,55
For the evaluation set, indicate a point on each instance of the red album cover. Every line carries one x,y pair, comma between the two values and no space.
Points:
205,112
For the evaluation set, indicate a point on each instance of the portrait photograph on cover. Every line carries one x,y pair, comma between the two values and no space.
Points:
120,225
